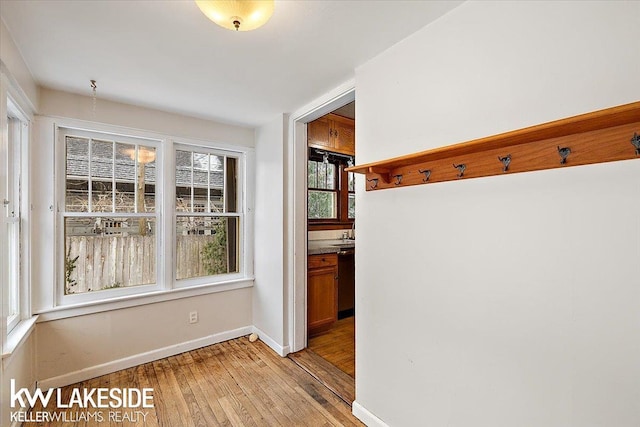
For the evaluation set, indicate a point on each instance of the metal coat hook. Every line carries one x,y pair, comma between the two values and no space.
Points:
375,183
427,174
564,153
635,140
398,179
461,168
506,161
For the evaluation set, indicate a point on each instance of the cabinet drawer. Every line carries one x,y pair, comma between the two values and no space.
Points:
324,260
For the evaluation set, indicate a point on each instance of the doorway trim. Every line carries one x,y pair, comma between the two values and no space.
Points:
296,212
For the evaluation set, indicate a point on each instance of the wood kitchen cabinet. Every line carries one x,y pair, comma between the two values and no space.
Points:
333,133
322,293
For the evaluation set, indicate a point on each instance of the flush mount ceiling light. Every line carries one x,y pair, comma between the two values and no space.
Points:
239,15
144,155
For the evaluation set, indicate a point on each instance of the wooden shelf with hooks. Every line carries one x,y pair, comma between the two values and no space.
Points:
602,136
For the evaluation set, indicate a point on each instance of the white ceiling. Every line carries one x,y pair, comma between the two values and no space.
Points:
167,55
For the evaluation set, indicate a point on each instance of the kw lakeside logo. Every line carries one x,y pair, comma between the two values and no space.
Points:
121,404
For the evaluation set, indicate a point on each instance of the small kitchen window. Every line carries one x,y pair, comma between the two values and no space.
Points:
351,177
330,190
323,194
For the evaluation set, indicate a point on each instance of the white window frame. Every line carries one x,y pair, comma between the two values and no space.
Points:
17,137
49,304
14,139
63,299
240,214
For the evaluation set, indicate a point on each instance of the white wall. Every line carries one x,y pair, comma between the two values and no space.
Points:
269,291
12,59
64,104
20,366
80,347
75,348
510,300
16,80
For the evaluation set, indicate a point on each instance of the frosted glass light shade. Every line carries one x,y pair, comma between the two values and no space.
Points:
237,15
145,155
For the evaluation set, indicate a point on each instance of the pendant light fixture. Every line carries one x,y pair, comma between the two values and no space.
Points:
238,15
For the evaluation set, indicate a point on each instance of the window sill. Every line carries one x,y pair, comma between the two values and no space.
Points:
62,312
17,337
314,225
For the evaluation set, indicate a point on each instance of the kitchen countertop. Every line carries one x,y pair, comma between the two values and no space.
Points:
316,247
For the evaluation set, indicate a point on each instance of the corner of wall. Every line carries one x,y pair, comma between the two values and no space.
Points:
281,350
17,71
269,237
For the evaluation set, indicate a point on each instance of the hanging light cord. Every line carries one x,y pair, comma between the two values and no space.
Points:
94,87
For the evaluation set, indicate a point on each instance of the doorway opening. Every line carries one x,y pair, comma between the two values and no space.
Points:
331,245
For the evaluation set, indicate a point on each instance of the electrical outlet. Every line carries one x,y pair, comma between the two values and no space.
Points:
193,317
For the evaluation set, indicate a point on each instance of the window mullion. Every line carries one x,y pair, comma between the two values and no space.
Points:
192,206
113,176
224,184
89,181
209,184
136,195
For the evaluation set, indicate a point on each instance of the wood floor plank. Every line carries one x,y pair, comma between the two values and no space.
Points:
297,377
231,395
138,375
246,396
292,403
198,369
247,380
333,378
197,410
338,345
187,370
235,383
173,399
160,414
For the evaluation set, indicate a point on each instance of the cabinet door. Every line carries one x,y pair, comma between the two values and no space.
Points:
322,299
344,137
319,133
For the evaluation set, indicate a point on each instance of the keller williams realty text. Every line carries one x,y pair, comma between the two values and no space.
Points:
95,416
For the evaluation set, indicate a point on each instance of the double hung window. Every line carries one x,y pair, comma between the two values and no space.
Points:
126,228
351,190
209,214
110,217
17,138
330,190
322,179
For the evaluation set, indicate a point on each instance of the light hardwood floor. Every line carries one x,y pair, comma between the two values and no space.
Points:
338,346
234,383
333,378
330,358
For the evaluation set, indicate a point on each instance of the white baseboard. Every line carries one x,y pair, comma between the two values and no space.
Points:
361,413
139,359
282,351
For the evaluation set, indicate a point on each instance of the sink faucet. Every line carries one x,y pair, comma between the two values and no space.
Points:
353,230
